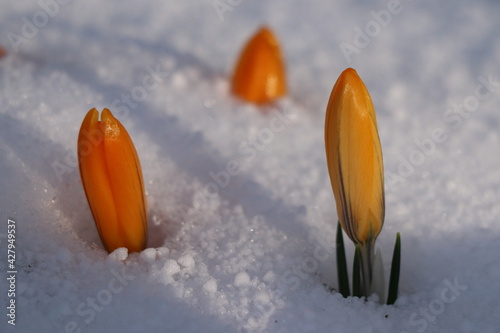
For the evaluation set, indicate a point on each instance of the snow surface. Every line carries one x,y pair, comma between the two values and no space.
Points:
255,254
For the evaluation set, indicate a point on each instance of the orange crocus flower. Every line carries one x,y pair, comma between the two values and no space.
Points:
354,158
259,76
112,178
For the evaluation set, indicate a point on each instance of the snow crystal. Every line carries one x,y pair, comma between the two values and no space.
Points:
148,255
210,286
186,261
242,279
171,267
119,254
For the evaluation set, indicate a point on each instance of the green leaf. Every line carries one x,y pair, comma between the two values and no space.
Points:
356,273
341,264
395,268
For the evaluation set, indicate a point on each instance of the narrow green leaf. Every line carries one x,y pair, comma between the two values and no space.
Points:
341,264
395,268
356,273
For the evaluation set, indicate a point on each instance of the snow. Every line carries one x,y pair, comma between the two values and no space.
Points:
241,213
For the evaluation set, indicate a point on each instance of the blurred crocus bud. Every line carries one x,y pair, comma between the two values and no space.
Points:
2,52
354,158
259,76
112,178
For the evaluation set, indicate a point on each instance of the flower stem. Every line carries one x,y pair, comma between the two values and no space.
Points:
356,274
366,252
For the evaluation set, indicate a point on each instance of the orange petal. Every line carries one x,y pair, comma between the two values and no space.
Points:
354,158
112,178
259,76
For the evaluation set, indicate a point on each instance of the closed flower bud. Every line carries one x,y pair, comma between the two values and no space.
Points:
112,178
259,76
354,158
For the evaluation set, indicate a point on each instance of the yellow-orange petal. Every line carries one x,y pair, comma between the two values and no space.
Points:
112,178
354,158
259,75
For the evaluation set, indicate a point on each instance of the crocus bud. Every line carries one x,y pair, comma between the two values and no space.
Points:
112,178
259,76
354,158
